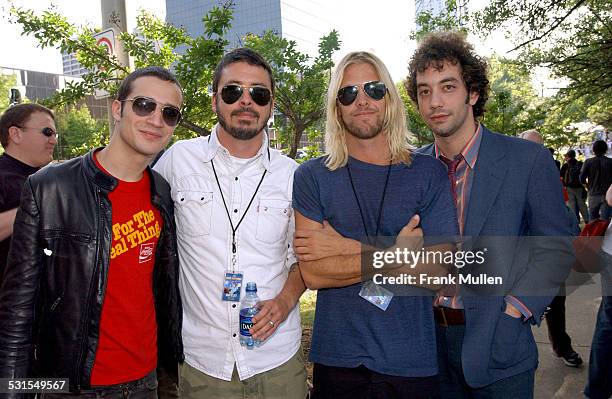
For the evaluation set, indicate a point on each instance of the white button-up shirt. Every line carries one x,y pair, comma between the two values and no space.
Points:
263,242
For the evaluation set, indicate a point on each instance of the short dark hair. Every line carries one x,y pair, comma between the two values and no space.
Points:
600,147
17,115
156,71
438,47
570,154
241,55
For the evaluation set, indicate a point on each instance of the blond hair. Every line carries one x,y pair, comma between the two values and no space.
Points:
394,122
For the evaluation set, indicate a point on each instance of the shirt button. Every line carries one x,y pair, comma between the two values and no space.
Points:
234,335
234,305
236,178
235,210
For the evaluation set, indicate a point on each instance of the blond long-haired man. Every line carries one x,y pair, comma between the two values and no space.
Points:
368,189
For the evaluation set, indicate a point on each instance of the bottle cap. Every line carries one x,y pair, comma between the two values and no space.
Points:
251,287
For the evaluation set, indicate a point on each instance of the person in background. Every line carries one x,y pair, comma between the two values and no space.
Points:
570,175
599,384
596,175
555,314
28,136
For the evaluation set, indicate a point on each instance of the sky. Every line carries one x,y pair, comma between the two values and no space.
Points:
382,27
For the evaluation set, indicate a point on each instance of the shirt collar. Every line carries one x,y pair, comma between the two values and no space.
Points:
470,152
214,148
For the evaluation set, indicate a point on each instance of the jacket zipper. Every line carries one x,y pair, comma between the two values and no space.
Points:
167,219
85,328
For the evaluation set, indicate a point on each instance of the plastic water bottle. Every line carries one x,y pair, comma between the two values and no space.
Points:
248,309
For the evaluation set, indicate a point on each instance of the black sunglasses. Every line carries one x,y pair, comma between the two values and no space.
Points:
232,93
144,106
47,131
375,89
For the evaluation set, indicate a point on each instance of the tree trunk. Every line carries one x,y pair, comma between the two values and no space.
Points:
298,130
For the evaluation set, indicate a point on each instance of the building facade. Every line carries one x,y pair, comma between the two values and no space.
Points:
304,21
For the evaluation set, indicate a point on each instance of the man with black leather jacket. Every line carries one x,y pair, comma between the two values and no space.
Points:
90,291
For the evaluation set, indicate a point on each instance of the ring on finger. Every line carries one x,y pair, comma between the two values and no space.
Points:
272,323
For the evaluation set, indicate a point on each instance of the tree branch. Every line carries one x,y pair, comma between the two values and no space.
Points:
553,27
194,128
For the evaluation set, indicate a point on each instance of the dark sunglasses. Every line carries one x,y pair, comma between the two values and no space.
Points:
145,106
232,93
375,89
47,131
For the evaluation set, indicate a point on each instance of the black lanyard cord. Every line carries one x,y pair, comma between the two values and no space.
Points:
234,229
380,208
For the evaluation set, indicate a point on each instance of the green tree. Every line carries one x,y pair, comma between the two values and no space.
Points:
513,104
447,20
557,129
78,132
301,83
571,37
193,69
6,83
421,135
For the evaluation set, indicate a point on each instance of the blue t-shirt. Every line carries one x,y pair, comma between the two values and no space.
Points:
349,331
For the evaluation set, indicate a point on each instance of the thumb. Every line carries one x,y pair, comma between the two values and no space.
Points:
414,222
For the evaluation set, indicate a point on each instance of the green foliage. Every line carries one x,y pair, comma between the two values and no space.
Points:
571,37
6,83
445,21
156,43
78,132
301,82
301,85
556,129
314,135
512,105
421,135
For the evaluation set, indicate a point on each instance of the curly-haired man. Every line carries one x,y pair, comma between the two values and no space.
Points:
502,186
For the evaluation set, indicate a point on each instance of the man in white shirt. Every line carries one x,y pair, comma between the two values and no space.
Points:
232,197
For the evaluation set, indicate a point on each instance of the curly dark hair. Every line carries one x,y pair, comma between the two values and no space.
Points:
438,47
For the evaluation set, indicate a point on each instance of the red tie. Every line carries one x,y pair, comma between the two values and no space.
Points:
452,170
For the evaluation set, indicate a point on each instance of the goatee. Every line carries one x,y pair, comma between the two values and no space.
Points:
242,133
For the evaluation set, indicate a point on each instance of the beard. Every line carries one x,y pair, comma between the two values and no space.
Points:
365,132
242,133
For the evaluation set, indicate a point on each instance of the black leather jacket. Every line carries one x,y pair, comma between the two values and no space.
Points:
55,281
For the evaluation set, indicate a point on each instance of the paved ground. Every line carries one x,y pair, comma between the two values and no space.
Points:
554,380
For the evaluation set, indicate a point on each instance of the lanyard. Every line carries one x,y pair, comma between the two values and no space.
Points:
380,208
234,229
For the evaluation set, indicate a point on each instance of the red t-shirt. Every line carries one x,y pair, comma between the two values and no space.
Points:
127,348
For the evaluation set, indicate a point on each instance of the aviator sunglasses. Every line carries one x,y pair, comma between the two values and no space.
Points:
232,93
47,131
145,106
375,90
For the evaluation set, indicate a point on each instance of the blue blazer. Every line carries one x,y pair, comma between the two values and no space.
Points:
516,193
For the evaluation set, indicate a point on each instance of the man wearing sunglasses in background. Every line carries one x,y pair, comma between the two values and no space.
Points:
27,134
232,197
91,286
370,188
